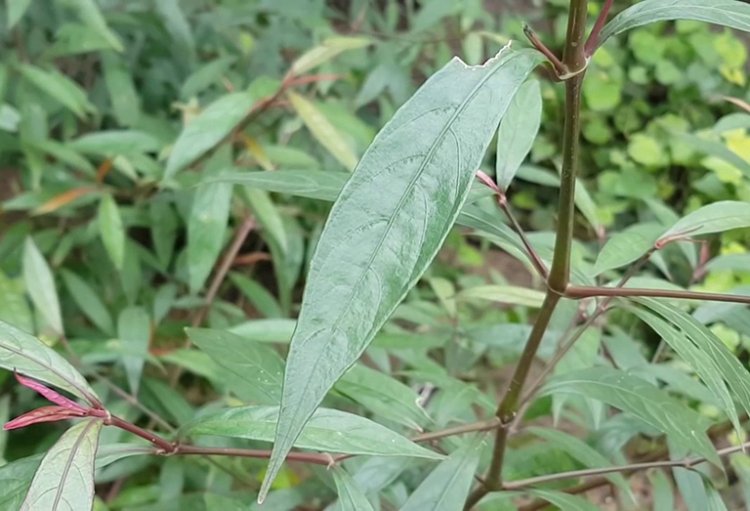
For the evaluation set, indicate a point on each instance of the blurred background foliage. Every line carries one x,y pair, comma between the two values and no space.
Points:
101,251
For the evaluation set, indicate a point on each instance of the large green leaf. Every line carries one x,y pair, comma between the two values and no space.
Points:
40,285
208,129
64,480
88,11
715,217
257,368
22,352
351,497
517,132
632,394
729,13
328,430
448,485
388,224
15,11
60,87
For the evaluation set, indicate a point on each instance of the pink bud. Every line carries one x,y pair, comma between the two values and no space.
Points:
50,394
487,181
43,414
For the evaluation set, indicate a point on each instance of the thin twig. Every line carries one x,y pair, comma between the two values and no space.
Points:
593,41
577,292
687,463
537,43
536,260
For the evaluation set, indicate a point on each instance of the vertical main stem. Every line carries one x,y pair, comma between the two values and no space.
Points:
574,60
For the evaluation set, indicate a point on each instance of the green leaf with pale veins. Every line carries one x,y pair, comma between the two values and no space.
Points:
627,246
22,352
638,397
328,430
40,285
209,128
715,217
111,230
728,13
517,132
64,480
448,485
256,368
388,224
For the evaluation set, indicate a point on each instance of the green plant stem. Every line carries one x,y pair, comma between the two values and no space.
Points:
575,63
534,258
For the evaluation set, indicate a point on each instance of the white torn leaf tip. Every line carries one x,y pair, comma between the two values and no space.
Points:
489,61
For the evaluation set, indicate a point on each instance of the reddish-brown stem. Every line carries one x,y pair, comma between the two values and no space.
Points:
537,43
536,260
164,446
577,292
593,40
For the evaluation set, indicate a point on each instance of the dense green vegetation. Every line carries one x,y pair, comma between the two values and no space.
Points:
167,171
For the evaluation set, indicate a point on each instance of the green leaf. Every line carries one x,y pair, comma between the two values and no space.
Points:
207,225
732,370
134,332
708,371
662,492
350,495
28,355
15,307
448,485
15,11
209,128
388,224
627,246
323,131
715,149
513,295
257,369
111,230
326,51
123,95
59,87
88,11
111,143
383,395
729,13
517,132
582,452
65,478
563,501
634,395
15,478
258,296
40,285
328,430
314,184
88,301
716,217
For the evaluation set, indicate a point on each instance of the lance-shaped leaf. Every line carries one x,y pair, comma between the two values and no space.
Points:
448,485
563,501
64,480
328,430
715,217
388,224
351,497
28,355
652,405
517,132
325,51
729,13
627,246
40,284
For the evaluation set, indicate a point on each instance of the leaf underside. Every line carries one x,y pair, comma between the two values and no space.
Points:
387,225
